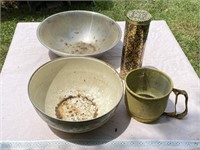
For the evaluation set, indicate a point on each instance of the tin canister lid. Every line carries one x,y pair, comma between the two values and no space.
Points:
139,16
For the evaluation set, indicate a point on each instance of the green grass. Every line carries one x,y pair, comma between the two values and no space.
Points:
182,16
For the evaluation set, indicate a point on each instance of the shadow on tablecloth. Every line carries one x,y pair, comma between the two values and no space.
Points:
108,132
112,56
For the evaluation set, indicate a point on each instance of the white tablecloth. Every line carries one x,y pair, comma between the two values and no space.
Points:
21,127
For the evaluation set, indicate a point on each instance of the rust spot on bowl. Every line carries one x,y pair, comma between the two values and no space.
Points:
76,32
76,108
80,48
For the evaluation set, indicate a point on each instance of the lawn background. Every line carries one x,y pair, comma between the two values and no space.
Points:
182,16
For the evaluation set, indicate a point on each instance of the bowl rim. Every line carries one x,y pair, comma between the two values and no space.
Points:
147,69
61,53
65,58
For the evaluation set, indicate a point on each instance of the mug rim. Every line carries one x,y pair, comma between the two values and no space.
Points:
148,98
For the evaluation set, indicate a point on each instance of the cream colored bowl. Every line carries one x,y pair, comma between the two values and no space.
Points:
75,94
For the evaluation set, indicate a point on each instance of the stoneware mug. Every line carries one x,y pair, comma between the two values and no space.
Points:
147,93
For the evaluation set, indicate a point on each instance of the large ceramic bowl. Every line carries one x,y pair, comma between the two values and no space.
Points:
75,94
79,33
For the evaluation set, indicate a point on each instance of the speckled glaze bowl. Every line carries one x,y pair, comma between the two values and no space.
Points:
75,94
79,33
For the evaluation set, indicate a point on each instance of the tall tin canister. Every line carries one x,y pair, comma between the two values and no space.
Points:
135,35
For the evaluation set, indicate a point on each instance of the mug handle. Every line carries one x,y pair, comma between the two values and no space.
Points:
184,113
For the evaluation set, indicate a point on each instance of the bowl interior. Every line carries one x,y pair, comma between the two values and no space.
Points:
79,78
79,32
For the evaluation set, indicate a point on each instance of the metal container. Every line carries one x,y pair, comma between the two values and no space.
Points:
135,35
75,94
78,33
147,99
